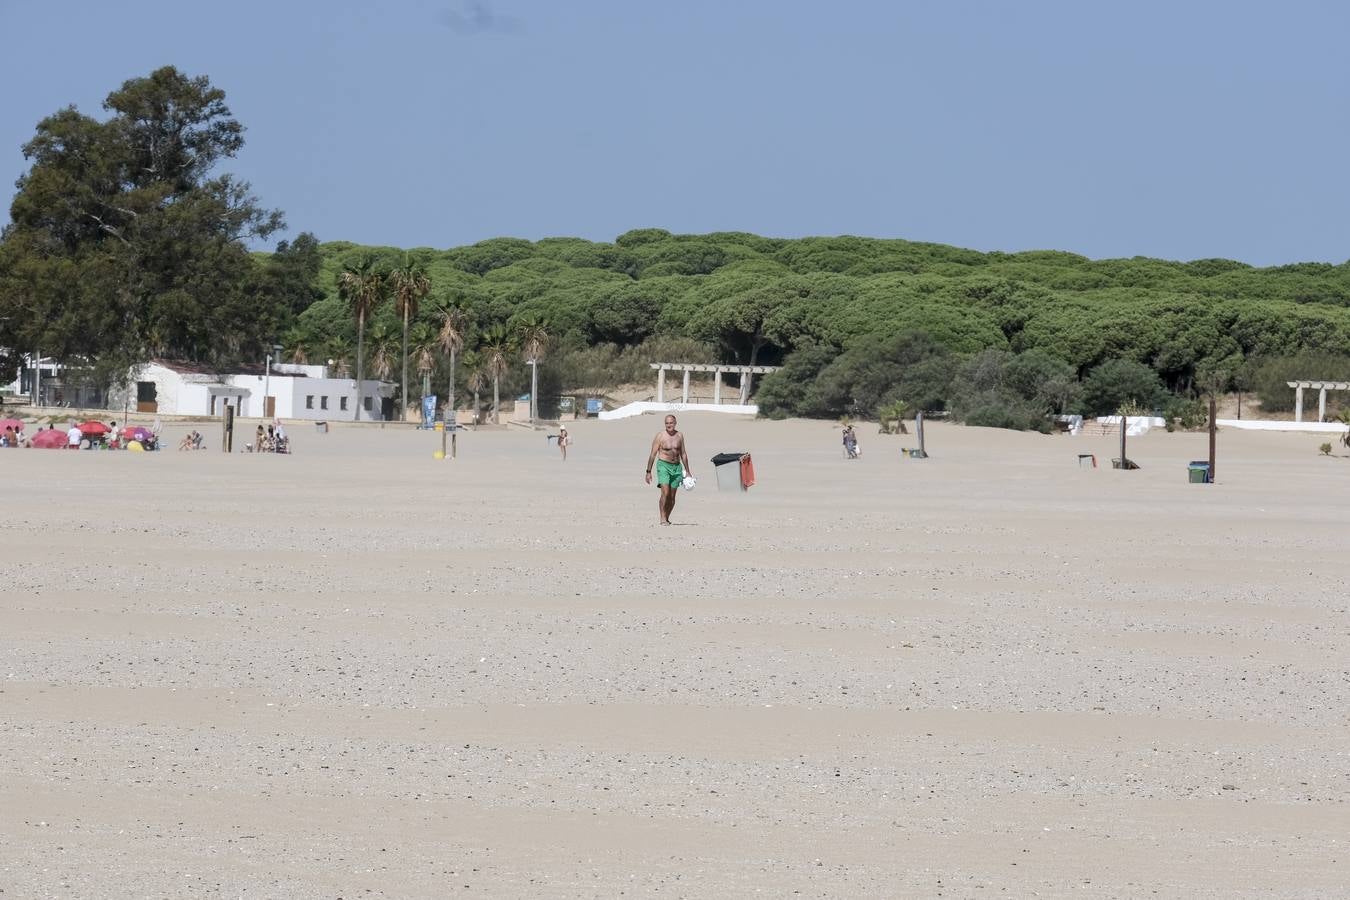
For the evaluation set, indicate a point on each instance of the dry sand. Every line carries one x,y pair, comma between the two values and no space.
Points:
357,671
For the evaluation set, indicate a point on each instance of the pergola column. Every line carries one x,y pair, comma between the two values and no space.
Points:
1298,403
661,385
684,390
717,386
1322,404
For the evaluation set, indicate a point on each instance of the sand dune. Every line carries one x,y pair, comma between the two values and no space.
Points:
360,671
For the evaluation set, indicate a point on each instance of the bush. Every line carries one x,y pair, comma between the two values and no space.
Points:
1186,414
1111,385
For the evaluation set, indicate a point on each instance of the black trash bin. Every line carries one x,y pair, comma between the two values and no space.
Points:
727,467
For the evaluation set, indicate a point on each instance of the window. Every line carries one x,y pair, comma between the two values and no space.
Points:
309,401
323,403
342,404
365,401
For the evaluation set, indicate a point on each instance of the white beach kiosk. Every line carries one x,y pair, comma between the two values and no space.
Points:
742,406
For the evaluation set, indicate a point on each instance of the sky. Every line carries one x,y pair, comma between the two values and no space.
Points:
1180,130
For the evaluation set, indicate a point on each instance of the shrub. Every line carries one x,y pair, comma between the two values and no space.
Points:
1113,384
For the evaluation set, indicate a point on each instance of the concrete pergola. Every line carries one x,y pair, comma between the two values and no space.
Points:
717,370
1322,388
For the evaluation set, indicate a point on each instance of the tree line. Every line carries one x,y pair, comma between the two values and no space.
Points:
125,244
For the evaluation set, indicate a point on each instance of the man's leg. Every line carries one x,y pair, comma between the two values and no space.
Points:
670,501
662,502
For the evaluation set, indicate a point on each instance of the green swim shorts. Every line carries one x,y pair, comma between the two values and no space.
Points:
669,473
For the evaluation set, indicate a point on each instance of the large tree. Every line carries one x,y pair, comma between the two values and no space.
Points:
453,323
125,242
409,284
363,286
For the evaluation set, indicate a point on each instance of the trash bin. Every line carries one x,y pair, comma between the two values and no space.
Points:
1197,472
321,427
727,467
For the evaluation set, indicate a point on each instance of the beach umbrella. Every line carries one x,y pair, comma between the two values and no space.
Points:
16,424
135,433
50,440
93,428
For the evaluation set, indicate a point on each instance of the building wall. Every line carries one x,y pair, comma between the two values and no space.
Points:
190,395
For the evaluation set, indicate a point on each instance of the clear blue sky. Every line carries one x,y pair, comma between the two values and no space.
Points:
1173,129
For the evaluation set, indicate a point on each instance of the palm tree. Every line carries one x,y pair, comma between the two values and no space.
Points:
338,354
534,338
383,350
296,346
364,288
475,379
454,321
422,345
497,348
410,284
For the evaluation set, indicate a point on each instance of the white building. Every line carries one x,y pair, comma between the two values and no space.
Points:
290,391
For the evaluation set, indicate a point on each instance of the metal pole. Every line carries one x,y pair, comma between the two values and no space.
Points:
1214,428
534,389
37,377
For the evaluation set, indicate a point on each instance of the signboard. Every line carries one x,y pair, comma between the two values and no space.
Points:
428,410
594,405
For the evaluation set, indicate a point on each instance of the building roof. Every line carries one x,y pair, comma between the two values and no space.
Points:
192,368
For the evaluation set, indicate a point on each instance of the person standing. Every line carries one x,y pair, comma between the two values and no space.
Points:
73,437
563,440
671,457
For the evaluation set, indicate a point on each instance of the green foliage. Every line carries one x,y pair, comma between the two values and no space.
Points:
1324,449
126,244
1112,385
1186,414
1270,378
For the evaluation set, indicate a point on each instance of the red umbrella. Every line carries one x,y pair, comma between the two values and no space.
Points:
50,439
93,428
16,424
135,433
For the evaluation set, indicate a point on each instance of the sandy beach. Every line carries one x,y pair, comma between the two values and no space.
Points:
358,671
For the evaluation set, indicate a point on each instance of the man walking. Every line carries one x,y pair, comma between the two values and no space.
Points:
672,461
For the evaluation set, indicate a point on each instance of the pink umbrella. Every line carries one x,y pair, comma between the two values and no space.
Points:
135,433
50,440
16,424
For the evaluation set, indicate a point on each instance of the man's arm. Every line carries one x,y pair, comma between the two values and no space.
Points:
651,457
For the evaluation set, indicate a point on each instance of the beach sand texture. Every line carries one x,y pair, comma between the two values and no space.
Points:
358,671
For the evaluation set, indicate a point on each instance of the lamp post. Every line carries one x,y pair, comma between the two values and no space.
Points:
534,388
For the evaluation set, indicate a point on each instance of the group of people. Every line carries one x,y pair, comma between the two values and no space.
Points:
850,442
270,440
105,438
12,438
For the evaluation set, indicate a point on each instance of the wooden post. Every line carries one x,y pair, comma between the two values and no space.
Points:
227,429
1213,429
918,431
444,428
453,447
1124,464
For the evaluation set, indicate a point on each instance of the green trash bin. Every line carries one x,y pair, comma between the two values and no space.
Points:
1198,472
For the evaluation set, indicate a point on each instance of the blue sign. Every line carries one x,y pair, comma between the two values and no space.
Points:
594,405
428,410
